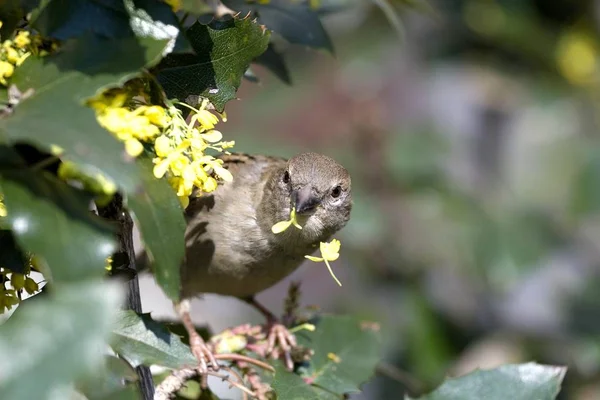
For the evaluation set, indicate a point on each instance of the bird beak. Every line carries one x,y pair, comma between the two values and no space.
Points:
304,200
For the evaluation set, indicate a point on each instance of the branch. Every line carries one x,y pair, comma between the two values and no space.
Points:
174,382
114,211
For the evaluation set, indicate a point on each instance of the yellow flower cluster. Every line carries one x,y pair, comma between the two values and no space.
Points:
142,124
12,54
11,296
181,152
179,146
329,251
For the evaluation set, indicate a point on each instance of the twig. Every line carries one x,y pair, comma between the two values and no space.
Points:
412,384
114,211
249,360
174,382
225,378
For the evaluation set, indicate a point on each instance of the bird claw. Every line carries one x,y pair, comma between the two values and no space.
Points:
203,354
279,337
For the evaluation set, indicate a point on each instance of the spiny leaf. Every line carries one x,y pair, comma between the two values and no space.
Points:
52,220
224,50
55,112
294,20
341,366
57,340
516,382
160,219
140,340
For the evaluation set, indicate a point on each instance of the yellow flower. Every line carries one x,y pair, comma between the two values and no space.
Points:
2,206
8,298
209,185
17,281
157,115
329,252
283,225
6,71
134,147
576,57
175,4
31,286
22,39
12,55
162,146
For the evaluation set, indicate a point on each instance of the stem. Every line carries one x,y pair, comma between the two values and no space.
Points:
115,211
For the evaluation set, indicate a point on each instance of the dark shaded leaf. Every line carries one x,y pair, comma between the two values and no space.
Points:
11,256
274,62
341,366
224,50
63,83
159,217
51,219
11,13
516,382
294,20
178,329
66,19
140,340
56,340
290,386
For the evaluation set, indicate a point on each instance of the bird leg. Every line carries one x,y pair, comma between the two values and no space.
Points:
278,335
201,351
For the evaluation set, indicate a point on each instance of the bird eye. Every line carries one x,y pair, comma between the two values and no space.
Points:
286,177
336,191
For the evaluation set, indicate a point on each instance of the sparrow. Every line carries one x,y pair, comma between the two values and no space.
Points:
230,246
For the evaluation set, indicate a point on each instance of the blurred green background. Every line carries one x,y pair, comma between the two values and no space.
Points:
473,146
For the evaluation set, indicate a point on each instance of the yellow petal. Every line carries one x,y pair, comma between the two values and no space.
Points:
281,226
134,147
162,146
209,185
161,168
212,136
315,259
223,173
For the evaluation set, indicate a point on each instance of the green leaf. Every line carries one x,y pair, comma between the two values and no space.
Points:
54,113
516,382
51,219
159,217
294,20
140,340
224,50
11,256
346,353
290,386
196,7
56,341
273,60
111,381
586,190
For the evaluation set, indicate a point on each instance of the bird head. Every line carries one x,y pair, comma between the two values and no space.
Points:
319,190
